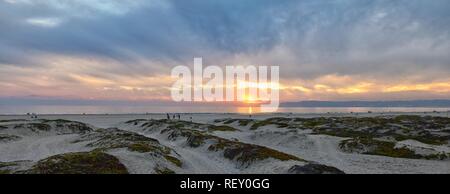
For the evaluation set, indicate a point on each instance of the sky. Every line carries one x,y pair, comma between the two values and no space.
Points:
125,49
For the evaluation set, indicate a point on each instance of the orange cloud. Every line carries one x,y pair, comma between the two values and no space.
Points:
356,86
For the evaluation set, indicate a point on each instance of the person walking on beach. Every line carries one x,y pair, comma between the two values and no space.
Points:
179,117
168,116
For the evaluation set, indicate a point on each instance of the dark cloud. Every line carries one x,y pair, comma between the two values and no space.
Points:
372,38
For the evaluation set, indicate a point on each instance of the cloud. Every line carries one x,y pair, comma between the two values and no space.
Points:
44,22
84,8
372,40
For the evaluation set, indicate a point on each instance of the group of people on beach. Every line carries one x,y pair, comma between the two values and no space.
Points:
32,115
174,116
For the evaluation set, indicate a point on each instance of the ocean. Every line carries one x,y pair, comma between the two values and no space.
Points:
121,109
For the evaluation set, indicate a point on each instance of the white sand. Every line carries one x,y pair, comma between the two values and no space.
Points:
318,148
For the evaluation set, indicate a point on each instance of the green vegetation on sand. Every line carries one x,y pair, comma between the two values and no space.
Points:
94,162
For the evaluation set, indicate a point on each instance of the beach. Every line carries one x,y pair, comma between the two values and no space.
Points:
274,143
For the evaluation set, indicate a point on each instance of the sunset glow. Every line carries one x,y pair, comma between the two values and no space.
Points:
386,54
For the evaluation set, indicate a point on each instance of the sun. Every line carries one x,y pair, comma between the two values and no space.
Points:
249,99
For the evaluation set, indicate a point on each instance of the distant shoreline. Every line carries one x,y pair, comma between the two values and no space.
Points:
441,103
